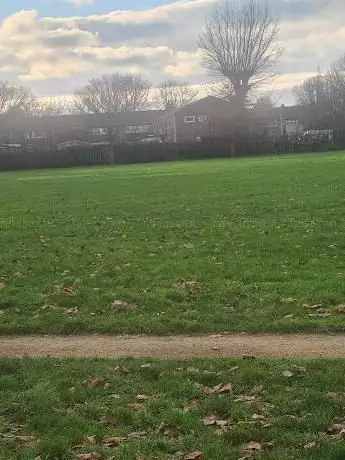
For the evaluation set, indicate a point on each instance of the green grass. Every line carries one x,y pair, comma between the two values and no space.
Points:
51,401
196,247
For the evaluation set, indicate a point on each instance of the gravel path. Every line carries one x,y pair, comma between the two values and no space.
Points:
176,347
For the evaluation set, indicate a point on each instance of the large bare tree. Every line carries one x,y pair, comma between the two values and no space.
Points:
111,94
15,99
174,94
239,43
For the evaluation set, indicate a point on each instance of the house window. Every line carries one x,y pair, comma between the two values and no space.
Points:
137,129
274,124
189,119
202,118
31,134
100,131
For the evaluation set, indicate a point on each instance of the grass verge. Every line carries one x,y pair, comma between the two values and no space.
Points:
144,409
209,246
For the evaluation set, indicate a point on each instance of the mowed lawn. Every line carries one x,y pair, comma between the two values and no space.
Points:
144,409
209,246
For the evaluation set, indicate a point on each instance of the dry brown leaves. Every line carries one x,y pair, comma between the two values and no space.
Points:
90,456
26,439
97,383
44,240
112,441
188,285
218,389
122,305
196,455
212,420
67,289
336,431
142,397
252,448
310,445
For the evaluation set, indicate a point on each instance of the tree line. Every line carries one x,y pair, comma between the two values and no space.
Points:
240,48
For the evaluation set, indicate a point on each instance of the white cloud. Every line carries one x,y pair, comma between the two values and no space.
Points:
80,2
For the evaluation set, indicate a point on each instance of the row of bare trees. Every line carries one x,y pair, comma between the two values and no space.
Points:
108,94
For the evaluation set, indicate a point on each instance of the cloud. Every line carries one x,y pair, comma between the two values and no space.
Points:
80,2
161,42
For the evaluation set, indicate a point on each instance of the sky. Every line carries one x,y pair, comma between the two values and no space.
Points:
55,46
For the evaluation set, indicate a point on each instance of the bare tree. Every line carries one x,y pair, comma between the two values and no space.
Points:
336,81
240,43
315,90
49,107
15,99
174,94
111,94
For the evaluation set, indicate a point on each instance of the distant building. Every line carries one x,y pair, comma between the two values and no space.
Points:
92,129
207,118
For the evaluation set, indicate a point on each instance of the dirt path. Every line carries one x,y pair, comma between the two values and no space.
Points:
179,347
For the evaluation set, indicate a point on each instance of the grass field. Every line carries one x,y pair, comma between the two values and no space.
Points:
188,247
61,409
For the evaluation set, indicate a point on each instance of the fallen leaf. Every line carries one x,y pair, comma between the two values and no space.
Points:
288,374
336,428
122,305
228,388
233,369
145,366
310,445
112,441
190,285
136,406
196,455
288,300
44,240
256,390
300,369
336,396
95,383
258,417
142,397
319,315
312,307
220,388
245,399
90,440
26,438
210,420
289,316
2,285
339,310
89,456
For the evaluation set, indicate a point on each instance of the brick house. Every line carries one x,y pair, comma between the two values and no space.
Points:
207,118
92,129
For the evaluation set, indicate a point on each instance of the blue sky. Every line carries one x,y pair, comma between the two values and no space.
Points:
55,46
67,8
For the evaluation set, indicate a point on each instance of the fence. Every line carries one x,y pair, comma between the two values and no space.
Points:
149,153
